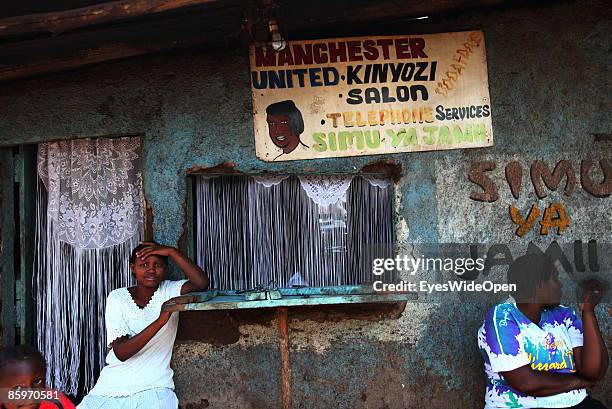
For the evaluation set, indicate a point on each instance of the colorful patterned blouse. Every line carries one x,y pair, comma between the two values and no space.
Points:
508,340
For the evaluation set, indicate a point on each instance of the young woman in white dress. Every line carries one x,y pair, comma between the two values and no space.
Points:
141,337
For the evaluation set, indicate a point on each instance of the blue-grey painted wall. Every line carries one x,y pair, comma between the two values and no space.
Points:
549,70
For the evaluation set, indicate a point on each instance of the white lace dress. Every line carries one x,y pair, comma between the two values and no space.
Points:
150,368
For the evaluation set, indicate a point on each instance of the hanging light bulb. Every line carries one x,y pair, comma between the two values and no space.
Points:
277,41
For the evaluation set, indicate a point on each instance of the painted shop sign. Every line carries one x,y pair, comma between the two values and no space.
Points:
554,218
370,95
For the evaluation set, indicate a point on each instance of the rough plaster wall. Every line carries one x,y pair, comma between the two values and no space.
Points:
548,67
3,273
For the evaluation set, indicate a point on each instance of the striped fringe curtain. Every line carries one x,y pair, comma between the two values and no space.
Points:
89,217
281,231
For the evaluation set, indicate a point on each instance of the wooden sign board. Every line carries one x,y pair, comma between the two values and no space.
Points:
370,96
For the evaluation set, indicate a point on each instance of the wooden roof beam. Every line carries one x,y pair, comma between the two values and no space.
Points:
59,22
54,54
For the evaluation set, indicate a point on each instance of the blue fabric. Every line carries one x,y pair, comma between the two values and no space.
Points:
509,340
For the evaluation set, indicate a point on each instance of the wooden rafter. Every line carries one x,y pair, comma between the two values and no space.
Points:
59,22
26,58
207,22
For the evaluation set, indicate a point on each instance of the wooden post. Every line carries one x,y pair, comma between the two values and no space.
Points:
283,347
7,244
26,177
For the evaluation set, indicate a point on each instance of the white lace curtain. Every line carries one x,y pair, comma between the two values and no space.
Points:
324,189
89,217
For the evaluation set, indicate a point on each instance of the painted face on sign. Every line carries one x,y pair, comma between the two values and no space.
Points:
281,133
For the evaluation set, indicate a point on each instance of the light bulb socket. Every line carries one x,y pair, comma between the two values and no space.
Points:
278,42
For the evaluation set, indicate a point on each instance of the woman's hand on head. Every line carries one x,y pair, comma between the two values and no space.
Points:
154,249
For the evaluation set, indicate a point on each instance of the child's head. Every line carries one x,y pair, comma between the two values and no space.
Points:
21,367
150,271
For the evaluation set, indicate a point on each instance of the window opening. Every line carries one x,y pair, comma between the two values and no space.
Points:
291,231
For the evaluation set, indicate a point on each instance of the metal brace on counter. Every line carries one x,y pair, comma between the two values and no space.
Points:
261,293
